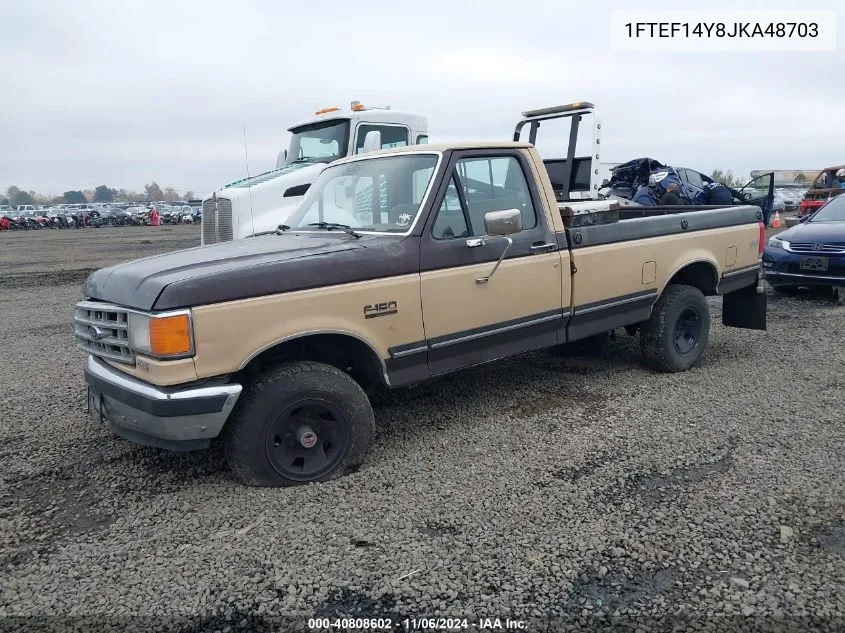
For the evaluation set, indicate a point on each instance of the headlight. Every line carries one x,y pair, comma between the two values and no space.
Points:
776,242
163,336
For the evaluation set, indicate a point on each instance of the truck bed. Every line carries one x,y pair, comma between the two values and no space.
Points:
601,212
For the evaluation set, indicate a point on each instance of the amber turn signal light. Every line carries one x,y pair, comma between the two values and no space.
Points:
170,335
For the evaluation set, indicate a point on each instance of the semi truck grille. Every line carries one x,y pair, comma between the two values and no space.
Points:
102,329
810,247
216,220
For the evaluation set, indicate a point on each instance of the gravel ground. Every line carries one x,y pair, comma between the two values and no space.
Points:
559,492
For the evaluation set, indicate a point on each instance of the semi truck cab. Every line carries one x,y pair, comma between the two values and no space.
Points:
259,204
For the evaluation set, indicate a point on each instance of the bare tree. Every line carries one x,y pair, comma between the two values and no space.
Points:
170,194
153,191
727,178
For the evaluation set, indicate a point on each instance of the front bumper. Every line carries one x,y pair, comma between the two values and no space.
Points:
175,418
783,268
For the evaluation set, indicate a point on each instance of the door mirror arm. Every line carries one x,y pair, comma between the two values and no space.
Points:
482,241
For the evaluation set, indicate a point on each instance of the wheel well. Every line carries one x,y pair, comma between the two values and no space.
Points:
345,352
701,275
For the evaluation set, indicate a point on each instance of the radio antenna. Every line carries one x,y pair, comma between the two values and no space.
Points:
248,183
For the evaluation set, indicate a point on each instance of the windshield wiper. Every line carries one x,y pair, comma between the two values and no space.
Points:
331,226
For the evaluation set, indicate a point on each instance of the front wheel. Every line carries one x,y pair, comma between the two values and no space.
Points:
675,336
298,423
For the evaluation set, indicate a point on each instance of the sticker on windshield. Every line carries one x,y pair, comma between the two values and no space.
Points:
404,219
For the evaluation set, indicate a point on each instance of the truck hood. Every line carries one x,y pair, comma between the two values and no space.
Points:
302,169
816,232
261,203
252,267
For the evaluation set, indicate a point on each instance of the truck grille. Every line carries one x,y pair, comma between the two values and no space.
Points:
102,329
216,220
810,247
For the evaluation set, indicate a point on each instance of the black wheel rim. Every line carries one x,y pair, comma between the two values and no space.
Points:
307,440
687,331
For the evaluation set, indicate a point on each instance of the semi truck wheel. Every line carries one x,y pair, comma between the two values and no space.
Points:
675,336
298,423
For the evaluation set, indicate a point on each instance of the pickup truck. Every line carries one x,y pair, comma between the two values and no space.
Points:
462,256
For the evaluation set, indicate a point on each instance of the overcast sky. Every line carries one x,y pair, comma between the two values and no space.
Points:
104,92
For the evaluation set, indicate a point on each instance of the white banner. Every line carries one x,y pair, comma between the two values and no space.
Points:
722,30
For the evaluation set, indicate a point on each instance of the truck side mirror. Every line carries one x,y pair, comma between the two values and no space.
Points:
372,141
505,222
281,159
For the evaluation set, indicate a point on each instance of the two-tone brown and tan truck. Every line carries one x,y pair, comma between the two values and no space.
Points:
398,267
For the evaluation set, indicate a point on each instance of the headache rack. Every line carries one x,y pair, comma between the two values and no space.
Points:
569,174
102,329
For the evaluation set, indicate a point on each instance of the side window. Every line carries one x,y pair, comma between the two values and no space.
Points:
422,139
391,136
450,220
486,184
694,178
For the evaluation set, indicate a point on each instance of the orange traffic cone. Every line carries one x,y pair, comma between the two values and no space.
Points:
776,221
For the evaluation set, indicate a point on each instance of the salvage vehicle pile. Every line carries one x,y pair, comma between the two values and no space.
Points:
78,216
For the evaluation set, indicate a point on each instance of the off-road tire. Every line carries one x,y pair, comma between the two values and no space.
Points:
658,333
245,435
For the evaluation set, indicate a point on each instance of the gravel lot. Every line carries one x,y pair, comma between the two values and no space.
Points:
554,491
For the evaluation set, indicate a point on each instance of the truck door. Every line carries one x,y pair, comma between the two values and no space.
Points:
760,192
468,321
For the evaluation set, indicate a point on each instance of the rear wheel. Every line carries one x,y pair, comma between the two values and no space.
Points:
298,423
675,336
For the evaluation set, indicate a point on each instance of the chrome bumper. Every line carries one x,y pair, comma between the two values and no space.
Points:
802,279
175,418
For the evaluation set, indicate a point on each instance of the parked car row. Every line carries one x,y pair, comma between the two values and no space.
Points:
70,216
645,181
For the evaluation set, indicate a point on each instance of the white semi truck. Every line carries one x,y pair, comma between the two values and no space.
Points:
259,204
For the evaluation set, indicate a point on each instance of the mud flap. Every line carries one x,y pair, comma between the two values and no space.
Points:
745,308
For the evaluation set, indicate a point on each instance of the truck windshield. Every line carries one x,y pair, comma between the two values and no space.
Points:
376,194
319,142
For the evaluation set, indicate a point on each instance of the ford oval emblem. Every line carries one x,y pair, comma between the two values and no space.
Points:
98,333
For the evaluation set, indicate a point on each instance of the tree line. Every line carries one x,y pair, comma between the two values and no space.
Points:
152,192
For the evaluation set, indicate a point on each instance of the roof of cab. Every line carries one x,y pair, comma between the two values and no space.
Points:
437,147
380,115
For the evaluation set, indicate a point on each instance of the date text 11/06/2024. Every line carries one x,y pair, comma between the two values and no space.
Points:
415,624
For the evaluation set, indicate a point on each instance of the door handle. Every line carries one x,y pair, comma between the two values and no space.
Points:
475,242
544,247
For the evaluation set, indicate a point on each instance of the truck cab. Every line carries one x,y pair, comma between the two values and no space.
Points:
259,204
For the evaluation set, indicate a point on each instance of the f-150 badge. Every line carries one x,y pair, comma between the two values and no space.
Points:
380,309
